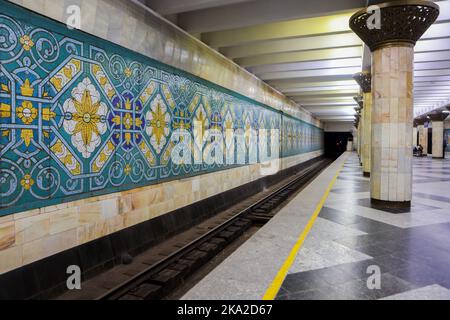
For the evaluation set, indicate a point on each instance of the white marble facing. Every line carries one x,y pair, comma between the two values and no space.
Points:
423,137
392,119
438,139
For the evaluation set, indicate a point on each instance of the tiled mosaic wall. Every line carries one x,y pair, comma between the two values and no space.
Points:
80,116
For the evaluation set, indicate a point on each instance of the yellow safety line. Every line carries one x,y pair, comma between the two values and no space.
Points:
274,287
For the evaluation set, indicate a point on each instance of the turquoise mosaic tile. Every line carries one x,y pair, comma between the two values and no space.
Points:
80,116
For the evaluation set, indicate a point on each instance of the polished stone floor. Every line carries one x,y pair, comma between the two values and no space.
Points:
410,249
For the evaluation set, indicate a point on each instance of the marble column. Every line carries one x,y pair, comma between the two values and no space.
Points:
414,137
423,134
438,134
360,117
392,47
356,138
364,81
358,134
359,139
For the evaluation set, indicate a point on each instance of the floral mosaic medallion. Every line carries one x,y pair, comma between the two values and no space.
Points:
85,117
157,124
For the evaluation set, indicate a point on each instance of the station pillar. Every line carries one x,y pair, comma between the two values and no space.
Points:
391,35
360,127
423,134
437,121
356,131
414,137
364,81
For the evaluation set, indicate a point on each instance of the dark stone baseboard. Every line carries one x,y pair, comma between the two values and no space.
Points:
391,206
366,174
46,278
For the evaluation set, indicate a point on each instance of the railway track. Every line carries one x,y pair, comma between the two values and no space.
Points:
167,272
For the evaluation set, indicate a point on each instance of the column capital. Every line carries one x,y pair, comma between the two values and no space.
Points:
364,79
420,121
402,22
359,101
438,116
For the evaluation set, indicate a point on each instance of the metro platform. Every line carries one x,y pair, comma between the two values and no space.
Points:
320,245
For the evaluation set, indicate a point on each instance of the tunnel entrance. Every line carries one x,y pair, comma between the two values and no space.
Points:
336,143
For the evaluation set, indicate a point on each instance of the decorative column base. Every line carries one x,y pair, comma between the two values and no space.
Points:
391,206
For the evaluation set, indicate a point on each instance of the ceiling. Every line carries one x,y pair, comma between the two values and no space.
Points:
306,50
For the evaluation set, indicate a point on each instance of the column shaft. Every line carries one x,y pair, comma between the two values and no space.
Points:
423,137
438,139
359,141
363,136
392,123
367,133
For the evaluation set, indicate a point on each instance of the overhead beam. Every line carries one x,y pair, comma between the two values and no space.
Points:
433,89
432,65
336,118
326,101
168,7
432,56
324,109
312,55
258,12
306,65
432,45
437,30
332,72
294,44
431,78
333,94
428,73
319,89
280,30
287,86
307,104
431,83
